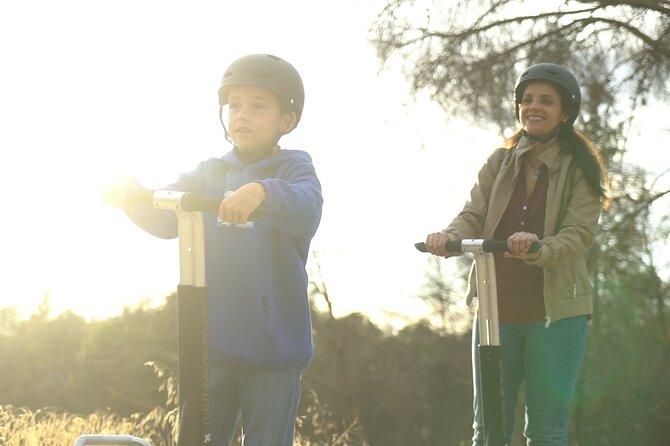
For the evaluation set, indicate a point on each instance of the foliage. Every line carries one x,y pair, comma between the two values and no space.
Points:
401,389
66,362
445,296
466,54
52,426
364,386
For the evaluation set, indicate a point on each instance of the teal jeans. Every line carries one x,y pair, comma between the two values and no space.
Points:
548,360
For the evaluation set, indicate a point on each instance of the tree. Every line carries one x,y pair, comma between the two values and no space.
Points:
396,389
467,54
445,298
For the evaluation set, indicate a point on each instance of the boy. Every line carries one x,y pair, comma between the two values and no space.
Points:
259,315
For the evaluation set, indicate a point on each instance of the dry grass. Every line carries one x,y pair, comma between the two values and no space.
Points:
52,427
55,427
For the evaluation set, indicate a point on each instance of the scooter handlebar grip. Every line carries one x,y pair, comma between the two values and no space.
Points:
451,246
487,246
501,246
191,202
421,246
494,245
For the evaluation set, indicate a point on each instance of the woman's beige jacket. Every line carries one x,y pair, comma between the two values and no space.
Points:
571,220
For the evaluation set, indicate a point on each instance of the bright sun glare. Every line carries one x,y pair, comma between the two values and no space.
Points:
135,93
98,90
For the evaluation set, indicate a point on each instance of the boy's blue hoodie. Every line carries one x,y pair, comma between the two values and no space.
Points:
259,314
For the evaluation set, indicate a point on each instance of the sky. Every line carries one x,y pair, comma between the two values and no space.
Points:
92,90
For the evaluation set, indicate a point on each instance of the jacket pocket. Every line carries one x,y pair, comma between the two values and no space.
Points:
575,280
239,329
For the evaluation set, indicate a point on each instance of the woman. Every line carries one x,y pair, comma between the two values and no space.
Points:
547,183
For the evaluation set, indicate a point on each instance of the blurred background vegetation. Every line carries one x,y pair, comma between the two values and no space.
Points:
366,385
369,385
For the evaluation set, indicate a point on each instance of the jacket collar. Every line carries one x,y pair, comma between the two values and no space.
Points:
550,156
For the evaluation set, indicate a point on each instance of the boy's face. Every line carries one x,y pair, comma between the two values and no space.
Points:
255,118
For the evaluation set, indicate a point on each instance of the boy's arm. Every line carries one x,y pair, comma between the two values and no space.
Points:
294,200
161,223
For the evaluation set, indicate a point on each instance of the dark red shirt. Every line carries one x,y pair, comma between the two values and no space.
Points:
520,285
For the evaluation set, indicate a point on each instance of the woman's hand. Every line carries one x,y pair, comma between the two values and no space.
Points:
518,245
436,244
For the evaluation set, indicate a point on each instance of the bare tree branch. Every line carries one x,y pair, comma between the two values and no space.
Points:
641,4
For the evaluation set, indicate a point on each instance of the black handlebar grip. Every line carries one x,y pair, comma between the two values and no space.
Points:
421,246
494,245
191,202
487,246
452,246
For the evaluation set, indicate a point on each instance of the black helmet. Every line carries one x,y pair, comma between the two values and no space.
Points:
265,71
555,74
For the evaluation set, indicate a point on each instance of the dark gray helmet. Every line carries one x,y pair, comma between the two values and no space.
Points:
555,74
265,71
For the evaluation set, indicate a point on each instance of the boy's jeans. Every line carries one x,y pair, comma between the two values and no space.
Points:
548,359
265,400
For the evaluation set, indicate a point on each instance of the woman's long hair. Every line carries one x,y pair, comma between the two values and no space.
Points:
583,151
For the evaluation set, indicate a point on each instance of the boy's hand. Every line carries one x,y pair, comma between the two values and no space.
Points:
116,193
237,207
518,245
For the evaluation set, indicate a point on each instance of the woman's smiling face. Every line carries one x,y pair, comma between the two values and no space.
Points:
541,109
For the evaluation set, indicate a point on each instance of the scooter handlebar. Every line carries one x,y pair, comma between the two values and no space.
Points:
476,245
161,199
185,201
191,202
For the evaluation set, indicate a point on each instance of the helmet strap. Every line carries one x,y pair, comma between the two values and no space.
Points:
225,129
292,124
543,139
